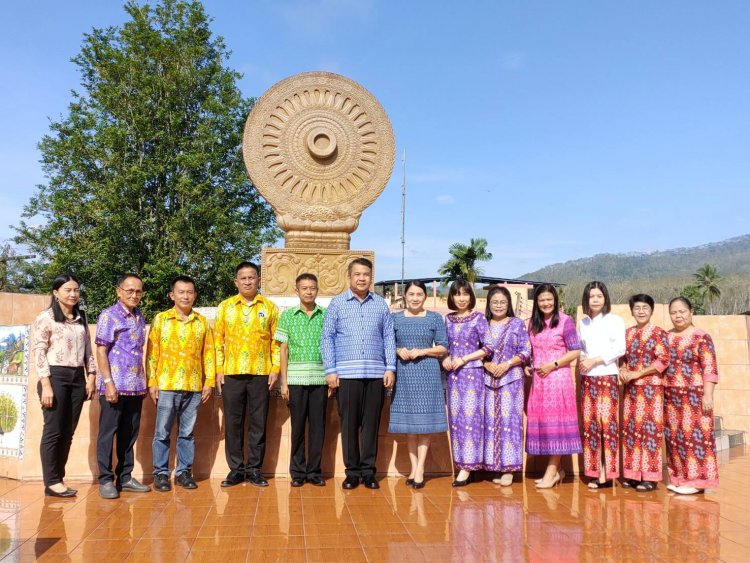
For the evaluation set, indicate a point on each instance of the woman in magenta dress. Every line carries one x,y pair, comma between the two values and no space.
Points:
503,380
467,331
551,414
689,383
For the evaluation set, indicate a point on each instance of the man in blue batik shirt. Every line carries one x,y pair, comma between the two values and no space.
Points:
359,357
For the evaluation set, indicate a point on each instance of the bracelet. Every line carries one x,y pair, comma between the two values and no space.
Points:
108,380
556,364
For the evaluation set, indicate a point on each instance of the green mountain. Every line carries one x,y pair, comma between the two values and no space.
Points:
731,256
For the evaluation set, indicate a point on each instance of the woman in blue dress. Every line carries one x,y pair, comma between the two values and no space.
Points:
418,401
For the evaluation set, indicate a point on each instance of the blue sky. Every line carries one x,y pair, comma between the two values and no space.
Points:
555,130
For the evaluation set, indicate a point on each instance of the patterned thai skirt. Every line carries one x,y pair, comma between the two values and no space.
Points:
601,418
552,415
503,430
689,436
642,432
465,389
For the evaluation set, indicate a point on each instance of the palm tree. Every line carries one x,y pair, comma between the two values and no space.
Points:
707,278
463,261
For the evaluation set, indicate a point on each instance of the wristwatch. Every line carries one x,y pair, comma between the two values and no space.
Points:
557,365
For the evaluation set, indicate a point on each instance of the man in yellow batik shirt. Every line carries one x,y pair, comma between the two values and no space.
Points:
181,366
247,367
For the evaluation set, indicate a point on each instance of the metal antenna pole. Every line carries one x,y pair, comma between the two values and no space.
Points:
403,221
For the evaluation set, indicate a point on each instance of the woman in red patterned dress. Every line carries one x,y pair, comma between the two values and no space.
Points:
689,398
646,358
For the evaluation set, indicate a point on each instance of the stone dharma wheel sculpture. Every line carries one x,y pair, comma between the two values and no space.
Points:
319,148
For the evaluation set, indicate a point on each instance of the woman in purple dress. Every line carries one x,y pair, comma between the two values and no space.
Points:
467,330
551,413
503,392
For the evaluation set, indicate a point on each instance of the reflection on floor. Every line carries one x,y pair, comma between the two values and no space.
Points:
482,522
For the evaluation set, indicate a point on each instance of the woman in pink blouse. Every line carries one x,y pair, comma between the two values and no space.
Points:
66,371
689,383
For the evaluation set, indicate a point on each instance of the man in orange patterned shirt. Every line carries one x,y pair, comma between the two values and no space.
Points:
247,367
181,367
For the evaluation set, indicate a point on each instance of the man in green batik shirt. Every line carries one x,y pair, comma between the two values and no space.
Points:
303,382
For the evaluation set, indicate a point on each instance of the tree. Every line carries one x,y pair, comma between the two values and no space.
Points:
707,278
145,173
693,293
16,273
463,261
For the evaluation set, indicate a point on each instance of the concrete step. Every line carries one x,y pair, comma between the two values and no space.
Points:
726,439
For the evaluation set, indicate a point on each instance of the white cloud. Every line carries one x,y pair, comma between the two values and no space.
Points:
445,199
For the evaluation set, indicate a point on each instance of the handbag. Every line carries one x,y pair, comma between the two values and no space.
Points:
490,380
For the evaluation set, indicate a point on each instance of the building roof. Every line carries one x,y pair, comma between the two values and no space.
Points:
480,279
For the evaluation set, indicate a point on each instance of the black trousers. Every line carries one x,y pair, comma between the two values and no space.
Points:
360,402
120,420
60,420
242,393
307,407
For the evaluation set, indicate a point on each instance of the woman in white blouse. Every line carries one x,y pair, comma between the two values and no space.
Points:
66,370
602,336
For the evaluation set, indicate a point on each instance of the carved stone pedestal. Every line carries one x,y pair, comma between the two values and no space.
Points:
281,266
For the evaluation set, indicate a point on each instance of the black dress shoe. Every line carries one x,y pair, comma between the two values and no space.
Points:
316,480
297,482
161,483
371,482
418,484
351,482
463,483
233,478
67,493
409,482
186,481
256,479
133,485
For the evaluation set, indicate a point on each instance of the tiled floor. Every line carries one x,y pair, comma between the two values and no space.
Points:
482,522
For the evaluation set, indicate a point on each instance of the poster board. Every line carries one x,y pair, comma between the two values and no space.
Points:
14,381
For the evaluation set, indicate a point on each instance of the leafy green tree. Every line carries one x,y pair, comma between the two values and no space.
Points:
145,172
707,278
695,295
463,261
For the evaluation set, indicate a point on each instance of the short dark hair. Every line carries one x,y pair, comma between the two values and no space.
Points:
457,287
361,261
685,300
498,289
121,279
57,313
306,276
415,283
537,317
183,279
246,264
641,298
587,294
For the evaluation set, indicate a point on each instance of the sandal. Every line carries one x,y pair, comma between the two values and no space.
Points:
645,486
629,484
594,484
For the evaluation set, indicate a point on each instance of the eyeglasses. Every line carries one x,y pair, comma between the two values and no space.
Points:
131,292
645,309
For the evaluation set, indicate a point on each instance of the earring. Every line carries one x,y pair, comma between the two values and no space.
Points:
57,299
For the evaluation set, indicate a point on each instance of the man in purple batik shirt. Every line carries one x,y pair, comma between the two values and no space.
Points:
120,339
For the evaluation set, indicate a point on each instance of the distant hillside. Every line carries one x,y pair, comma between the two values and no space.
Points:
731,256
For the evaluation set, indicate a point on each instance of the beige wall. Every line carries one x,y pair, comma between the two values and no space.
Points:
730,333
209,457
